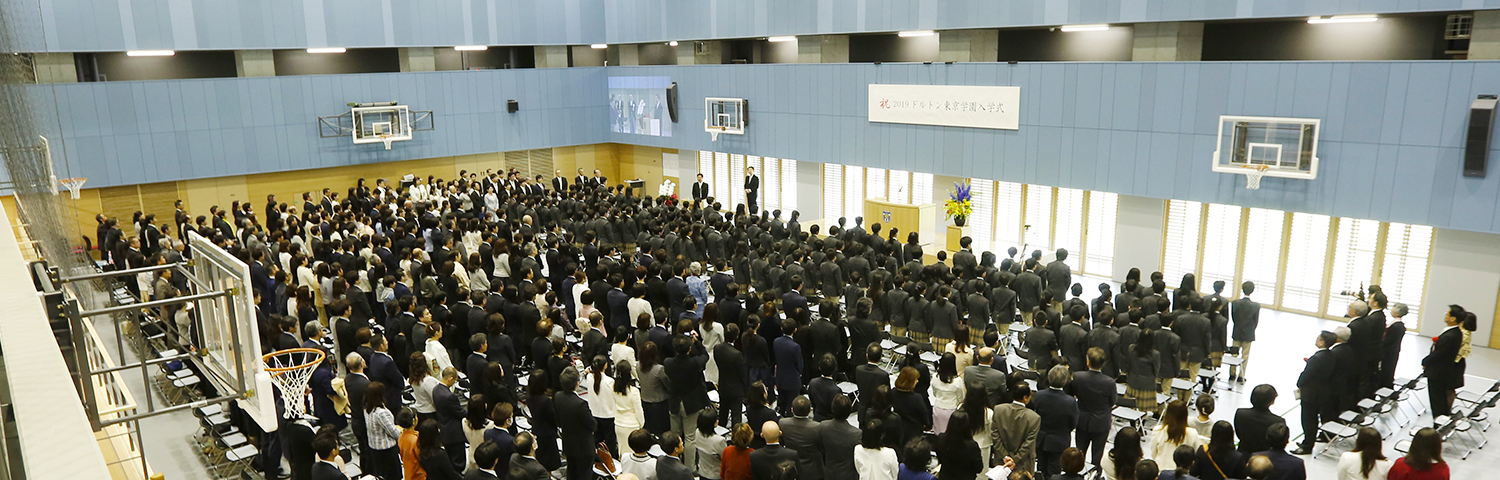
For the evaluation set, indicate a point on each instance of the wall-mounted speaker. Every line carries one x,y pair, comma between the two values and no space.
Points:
672,101
1477,144
512,106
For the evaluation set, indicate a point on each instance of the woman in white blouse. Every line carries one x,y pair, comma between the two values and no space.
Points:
946,392
873,461
629,416
422,382
598,387
1366,461
1170,433
621,352
437,354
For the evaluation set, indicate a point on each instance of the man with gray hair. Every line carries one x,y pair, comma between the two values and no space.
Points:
1365,342
355,384
1390,345
313,331
1346,364
1059,416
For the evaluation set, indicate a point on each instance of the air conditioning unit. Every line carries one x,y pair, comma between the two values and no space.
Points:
1459,26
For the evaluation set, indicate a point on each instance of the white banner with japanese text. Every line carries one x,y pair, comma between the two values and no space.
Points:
947,105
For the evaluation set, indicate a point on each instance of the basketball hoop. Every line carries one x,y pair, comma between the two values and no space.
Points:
714,134
386,139
73,185
290,371
1253,174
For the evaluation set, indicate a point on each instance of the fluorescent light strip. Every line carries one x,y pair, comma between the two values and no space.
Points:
916,33
598,46
781,39
1343,19
150,53
471,48
1098,27
327,50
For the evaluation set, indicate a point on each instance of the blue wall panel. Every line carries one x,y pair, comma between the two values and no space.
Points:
121,133
1390,149
93,25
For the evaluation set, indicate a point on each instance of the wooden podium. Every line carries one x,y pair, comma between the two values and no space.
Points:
904,217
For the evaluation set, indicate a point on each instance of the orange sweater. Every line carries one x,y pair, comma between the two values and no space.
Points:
409,462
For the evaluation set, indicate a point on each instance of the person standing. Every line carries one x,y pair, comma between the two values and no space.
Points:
752,190
559,182
1096,399
1445,363
577,425
1059,277
788,366
1058,414
700,189
1245,313
1395,331
1315,385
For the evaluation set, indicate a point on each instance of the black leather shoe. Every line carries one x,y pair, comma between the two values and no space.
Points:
1301,451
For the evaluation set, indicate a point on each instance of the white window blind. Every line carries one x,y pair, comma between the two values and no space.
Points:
720,181
1306,259
983,219
1403,272
854,194
788,186
1180,254
1069,231
1038,219
1099,252
900,186
1353,262
736,171
874,186
1263,252
833,190
770,185
1221,246
1007,218
921,188
705,167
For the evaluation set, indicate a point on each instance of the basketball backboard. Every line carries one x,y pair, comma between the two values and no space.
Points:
1273,146
230,335
724,115
382,122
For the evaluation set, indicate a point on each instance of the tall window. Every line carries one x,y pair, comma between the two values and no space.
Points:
705,167
854,195
1038,219
1221,244
788,186
874,186
1263,253
725,174
1353,262
720,182
1007,217
833,190
1403,268
1180,254
1100,251
1306,259
921,185
900,186
1068,233
770,184
983,219
727,179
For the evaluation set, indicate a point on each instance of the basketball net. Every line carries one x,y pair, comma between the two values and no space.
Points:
1253,174
74,185
714,134
290,371
386,139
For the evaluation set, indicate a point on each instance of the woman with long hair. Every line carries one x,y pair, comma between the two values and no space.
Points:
1423,460
958,453
422,382
1140,381
1367,460
963,356
431,454
946,392
629,416
1218,460
1120,463
381,433
437,353
1171,433
758,411
543,419
873,459
474,424
598,386
654,390
976,404
1187,289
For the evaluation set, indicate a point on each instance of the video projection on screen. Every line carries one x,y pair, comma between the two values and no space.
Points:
638,105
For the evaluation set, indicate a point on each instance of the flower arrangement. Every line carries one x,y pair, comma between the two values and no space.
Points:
960,203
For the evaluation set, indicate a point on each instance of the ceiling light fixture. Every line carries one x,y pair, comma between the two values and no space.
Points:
672,43
598,46
781,39
471,48
1343,19
150,53
1097,27
916,33
327,50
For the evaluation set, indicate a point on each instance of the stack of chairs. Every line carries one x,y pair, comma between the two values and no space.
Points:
225,450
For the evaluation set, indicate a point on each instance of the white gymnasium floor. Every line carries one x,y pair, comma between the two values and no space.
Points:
1285,339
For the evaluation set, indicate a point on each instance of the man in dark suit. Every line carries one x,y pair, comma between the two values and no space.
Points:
1059,416
793,301
477,362
1028,287
677,290
734,377
525,458
577,424
1286,466
837,440
1059,276
1345,361
1245,314
326,447
450,415
1072,339
766,462
1096,399
581,180
982,373
752,190
1371,332
869,375
788,355
670,466
823,389
700,189
486,461
1170,346
298,438
355,384
383,370
686,395
595,343
1251,424
1196,334
559,182
1316,385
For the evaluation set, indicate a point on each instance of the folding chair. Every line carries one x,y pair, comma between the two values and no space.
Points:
1337,432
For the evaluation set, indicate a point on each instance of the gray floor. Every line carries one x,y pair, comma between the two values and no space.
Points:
1285,339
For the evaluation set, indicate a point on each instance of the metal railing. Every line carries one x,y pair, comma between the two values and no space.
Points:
120,442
